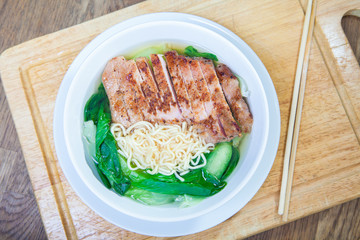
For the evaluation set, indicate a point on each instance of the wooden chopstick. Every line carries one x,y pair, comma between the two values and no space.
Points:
296,134
296,108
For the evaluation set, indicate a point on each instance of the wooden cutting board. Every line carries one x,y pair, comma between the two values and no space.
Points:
327,169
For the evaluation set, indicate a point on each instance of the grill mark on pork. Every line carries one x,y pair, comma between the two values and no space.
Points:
212,124
110,79
179,85
148,85
232,91
143,105
222,110
169,111
205,124
196,102
128,85
221,127
205,128
201,85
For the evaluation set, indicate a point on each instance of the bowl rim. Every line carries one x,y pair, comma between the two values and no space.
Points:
59,137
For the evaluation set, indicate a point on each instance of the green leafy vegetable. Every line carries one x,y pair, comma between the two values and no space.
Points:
109,164
106,155
121,185
195,182
176,188
243,86
110,156
103,178
232,164
192,176
154,199
149,198
89,133
117,181
210,178
94,103
103,127
193,52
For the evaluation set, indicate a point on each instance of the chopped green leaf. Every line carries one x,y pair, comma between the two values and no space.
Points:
176,188
118,182
103,178
235,156
195,182
110,165
110,155
121,185
193,52
89,136
94,103
103,126
212,179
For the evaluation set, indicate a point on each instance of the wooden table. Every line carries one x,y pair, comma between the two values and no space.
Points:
22,20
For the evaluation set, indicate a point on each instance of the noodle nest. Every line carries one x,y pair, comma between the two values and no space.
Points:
165,149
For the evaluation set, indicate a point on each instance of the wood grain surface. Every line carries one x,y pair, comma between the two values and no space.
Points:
19,216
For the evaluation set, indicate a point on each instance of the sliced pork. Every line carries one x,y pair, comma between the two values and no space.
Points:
201,85
148,86
179,86
232,91
221,108
169,111
128,78
111,80
212,125
177,89
197,105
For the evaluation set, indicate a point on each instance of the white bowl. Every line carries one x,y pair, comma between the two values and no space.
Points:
82,80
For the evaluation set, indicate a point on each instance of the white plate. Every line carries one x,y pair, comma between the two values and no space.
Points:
84,76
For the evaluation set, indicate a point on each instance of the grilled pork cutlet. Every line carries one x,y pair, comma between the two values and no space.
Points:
180,89
179,86
222,110
168,111
232,91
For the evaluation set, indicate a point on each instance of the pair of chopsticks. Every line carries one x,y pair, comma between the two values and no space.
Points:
296,108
